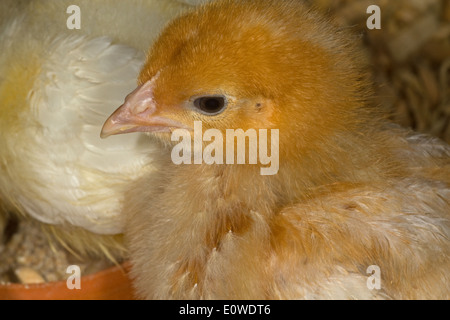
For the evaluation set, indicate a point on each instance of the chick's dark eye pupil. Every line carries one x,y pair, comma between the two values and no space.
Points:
210,105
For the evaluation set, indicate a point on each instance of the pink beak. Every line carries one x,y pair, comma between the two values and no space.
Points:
138,114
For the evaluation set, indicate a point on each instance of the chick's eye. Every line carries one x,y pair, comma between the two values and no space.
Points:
210,105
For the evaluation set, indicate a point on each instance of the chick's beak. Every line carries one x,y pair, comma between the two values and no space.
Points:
138,114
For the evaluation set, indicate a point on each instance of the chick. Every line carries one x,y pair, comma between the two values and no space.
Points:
57,86
353,193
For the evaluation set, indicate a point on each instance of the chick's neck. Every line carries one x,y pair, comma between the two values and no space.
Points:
344,158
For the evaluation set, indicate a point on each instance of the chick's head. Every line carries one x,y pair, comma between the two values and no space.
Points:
248,64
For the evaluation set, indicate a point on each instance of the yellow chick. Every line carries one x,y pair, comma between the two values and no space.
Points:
359,208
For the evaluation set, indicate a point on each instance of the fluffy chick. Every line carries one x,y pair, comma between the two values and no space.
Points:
352,190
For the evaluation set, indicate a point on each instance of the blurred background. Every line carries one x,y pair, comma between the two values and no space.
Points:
409,57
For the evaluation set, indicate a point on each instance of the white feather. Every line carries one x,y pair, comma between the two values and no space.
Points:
81,174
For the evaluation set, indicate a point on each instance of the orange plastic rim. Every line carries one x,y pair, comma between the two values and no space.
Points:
110,284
